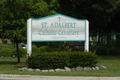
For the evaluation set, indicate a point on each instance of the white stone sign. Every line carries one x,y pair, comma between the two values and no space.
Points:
57,27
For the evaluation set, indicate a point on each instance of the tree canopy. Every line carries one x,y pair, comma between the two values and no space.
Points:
102,15
98,13
14,15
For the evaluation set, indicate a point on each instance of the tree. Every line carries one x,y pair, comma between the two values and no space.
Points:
114,25
100,14
96,12
14,15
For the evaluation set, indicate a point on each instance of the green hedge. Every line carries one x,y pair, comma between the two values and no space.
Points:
114,51
83,59
48,61
101,50
35,49
5,52
61,59
22,52
76,49
43,49
92,49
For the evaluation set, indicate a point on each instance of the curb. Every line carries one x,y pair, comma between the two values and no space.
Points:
29,77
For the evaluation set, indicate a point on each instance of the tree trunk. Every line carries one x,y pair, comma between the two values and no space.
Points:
18,54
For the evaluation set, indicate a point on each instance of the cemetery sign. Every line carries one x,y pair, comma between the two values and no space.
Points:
57,27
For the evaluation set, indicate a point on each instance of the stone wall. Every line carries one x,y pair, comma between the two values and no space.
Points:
100,67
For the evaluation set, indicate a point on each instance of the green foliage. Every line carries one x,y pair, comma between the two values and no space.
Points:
5,52
22,52
114,51
14,15
40,9
64,49
76,49
94,42
10,46
47,61
60,49
61,59
111,62
92,49
35,49
43,49
83,59
4,41
101,50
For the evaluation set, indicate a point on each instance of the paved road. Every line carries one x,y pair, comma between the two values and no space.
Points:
24,77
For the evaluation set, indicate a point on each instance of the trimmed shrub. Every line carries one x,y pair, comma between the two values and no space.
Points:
60,49
76,49
84,59
23,52
35,49
48,61
56,49
5,52
114,51
101,50
55,60
64,49
44,49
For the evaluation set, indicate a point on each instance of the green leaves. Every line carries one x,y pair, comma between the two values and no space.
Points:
14,15
40,9
55,60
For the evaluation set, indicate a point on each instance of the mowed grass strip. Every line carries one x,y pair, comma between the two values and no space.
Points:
111,62
10,46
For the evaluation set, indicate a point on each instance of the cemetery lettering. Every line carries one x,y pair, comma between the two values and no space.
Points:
58,32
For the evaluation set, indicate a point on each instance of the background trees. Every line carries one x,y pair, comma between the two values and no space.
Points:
99,13
14,14
103,15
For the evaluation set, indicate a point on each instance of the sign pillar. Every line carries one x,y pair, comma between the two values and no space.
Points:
87,37
29,41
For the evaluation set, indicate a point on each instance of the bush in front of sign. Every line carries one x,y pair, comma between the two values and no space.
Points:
35,49
61,59
43,49
48,60
76,49
83,59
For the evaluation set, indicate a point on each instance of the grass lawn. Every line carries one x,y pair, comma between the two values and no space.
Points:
10,46
111,62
